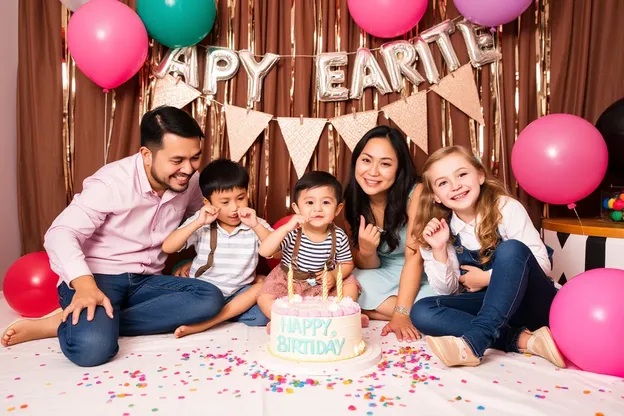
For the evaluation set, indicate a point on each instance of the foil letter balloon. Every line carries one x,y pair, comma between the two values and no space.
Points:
366,62
440,35
480,46
216,72
400,59
426,57
328,80
256,71
171,64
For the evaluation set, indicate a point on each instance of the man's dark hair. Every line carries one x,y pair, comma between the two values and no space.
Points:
222,175
316,179
161,120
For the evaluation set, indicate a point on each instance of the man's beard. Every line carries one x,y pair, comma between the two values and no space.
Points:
166,184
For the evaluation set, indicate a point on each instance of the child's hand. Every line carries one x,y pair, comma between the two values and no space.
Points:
475,279
437,233
295,222
248,217
368,236
207,214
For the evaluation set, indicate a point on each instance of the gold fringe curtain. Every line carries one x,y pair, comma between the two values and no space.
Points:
552,49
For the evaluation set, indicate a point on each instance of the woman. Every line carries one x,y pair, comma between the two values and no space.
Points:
380,205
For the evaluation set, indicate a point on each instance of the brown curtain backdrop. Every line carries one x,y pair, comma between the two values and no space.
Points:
61,130
586,72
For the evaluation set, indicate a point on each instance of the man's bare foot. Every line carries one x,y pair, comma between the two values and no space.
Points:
185,330
32,329
365,321
268,328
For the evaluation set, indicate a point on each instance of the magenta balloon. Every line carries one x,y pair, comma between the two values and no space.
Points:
587,321
387,18
559,159
492,12
108,41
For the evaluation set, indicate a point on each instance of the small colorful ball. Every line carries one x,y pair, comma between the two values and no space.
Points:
616,215
611,202
618,205
605,203
622,196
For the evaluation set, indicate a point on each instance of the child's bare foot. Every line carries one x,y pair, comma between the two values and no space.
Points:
32,329
185,330
268,328
365,321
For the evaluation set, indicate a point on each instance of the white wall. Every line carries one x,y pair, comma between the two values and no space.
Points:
9,230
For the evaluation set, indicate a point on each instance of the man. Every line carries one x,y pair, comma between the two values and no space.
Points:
106,248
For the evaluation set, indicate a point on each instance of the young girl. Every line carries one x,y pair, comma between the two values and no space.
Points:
310,243
482,253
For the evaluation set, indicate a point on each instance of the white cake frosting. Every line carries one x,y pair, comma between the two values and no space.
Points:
313,329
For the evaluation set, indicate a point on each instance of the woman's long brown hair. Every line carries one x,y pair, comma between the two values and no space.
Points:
487,204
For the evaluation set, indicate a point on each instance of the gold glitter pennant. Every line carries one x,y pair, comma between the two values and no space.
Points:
353,127
459,89
301,136
243,127
173,92
410,114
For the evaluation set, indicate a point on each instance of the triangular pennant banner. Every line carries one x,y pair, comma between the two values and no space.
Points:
459,89
173,92
410,114
353,127
243,127
301,137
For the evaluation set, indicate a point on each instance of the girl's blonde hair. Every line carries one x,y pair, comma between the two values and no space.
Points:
487,203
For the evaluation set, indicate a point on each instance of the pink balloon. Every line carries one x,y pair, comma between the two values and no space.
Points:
108,42
586,320
492,12
387,18
559,159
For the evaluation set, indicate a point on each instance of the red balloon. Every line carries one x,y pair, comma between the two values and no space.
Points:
30,286
273,263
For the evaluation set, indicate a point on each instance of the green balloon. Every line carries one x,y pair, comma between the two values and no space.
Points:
177,23
616,215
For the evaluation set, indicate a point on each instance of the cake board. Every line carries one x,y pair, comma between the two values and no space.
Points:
368,360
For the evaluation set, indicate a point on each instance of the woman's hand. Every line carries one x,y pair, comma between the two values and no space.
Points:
368,236
402,327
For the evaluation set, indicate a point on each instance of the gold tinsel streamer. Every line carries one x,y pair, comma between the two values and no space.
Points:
543,43
335,142
293,51
252,165
317,40
499,125
69,94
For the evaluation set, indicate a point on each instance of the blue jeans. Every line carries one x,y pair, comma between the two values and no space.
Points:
142,305
519,296
253,316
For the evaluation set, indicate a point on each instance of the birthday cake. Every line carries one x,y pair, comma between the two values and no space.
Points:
316,329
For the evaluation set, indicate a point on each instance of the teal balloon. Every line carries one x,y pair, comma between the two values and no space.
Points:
177,23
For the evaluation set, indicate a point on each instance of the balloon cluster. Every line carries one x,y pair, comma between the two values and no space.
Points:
614,206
